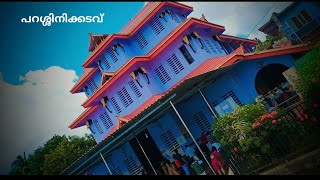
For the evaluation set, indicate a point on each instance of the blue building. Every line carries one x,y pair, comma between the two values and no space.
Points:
161,82
298,20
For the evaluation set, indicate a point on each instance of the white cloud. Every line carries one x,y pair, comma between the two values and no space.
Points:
239,18
31,113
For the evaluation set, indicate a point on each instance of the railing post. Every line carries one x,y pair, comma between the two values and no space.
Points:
194,140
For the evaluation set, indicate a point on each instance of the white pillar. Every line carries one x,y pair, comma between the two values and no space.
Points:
105,163
194,140
205,99
146,156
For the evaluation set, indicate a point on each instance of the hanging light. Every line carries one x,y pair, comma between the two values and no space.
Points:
88,124
120,45
169,12
134,75
114,48
104,101
162,16
85,88
186,40
142,70
196,35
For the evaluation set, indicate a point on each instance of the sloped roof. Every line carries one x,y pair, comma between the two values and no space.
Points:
87,73
95,40
146,12
155,51
133,26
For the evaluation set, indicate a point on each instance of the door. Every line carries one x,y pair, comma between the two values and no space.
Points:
151,150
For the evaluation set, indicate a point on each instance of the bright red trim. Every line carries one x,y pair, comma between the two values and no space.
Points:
275,52
98,50
83,116
207,66
84,77
153,53
224,36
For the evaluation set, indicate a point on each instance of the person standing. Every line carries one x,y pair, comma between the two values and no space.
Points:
171,170
180,160
215,161
164,167
204,139
191,152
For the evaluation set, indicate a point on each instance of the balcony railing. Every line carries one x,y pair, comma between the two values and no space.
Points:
308,27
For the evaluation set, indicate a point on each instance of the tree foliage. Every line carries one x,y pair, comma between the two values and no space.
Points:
56,155
309,69
237,124
267,43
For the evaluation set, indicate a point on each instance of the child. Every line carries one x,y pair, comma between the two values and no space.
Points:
215,161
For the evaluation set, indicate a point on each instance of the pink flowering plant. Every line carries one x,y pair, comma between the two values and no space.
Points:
250,129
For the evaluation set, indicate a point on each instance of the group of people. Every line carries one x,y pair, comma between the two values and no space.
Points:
182,164
276,96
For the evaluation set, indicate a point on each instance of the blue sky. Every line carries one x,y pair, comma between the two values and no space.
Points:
31,46
39,65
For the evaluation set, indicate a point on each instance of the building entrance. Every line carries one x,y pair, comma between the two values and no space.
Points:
151,150
269,77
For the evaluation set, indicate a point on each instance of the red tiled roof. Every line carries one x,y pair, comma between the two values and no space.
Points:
114,129
214,64
144,106
87,73
154,52
137,19
76,123
224,36
223,61
132,27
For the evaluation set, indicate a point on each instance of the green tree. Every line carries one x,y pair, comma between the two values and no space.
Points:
19,166
55,155
237,125
309,69
69,150
268,42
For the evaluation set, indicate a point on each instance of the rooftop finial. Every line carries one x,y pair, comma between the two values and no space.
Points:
203,18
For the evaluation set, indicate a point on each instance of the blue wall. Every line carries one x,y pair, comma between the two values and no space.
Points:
240,80
247,71
97,80
312,9
132,47
165,123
